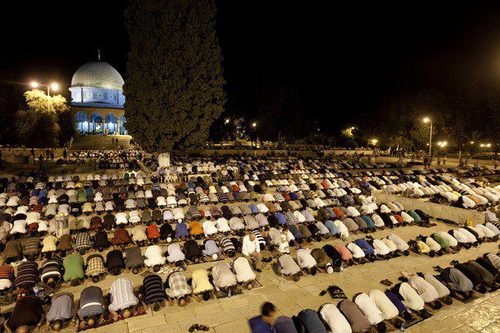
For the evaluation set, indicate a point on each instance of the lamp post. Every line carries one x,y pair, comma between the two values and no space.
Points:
429,120
54,86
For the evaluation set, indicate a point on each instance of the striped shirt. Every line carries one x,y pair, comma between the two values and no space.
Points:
91,302
227,245
27,274
122,295
153,290
51,268
6,272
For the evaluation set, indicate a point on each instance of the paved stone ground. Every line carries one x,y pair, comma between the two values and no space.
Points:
231,314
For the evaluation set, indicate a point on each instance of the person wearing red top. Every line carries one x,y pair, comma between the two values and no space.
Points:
338,212
121,236
153,233
6,277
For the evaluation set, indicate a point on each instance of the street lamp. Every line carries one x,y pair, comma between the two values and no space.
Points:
54,86
429,120
254,124
374,142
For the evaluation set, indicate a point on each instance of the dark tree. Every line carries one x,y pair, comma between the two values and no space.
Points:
174,85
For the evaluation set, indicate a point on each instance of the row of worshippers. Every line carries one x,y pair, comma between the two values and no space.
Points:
332,258
123,301
441,242
416,296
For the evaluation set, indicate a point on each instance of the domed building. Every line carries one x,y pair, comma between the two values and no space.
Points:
97,99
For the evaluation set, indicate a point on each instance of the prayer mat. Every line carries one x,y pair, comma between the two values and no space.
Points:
108,319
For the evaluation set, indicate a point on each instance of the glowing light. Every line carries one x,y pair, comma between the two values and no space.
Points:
426,120
374,141
54,86
34,84
254,124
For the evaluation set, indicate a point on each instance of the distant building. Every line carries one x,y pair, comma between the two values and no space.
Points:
97,99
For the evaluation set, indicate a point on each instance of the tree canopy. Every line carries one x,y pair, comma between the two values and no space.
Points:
174,87
40,124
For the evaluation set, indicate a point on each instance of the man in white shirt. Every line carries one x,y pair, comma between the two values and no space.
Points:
251,248
306,261
244,272
369,309
335,319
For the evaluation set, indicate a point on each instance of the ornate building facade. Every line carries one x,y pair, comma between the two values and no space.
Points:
97,99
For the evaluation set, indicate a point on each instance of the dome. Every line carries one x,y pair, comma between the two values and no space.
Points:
97,74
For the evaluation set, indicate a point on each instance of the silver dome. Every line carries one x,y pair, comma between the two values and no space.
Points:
97,74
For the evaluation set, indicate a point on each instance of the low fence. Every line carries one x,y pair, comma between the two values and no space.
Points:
459,215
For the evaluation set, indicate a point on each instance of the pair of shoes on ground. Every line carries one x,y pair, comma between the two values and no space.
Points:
197,327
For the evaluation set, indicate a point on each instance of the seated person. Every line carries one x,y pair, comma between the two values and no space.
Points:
122,298
178,288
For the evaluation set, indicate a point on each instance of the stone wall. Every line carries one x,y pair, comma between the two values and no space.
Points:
459,215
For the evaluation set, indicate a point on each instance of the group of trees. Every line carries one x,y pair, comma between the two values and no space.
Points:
45,122
174,89
37,120
462,119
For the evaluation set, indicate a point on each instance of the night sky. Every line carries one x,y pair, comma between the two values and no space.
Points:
346,60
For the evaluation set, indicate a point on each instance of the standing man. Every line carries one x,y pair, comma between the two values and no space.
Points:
251,248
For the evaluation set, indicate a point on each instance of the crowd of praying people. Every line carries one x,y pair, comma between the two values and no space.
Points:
64,229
